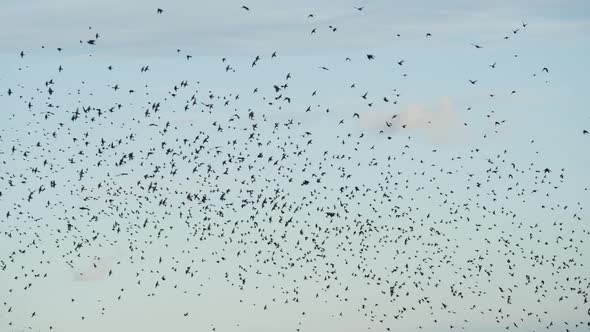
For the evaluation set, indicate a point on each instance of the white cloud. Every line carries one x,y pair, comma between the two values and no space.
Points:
222,27
441,124
98,270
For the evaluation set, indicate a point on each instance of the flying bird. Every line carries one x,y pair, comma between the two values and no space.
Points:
259,189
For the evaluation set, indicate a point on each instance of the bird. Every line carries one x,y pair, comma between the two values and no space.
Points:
245,8
144,192
476,45
159,11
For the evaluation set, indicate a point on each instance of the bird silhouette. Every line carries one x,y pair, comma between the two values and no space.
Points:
157,177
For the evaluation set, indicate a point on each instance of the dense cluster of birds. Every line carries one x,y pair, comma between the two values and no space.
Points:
192,178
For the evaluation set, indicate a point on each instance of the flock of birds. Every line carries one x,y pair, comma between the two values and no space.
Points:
391,235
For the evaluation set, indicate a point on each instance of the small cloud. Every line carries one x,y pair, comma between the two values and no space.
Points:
440,124
97,270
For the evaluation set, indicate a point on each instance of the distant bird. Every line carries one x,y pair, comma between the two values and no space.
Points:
246,8
428,34
359,8
476,45
255,185
159,10
91,42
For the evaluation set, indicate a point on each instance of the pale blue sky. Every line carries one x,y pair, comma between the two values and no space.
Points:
548,108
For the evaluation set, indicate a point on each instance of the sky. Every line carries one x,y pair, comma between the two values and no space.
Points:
452,128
